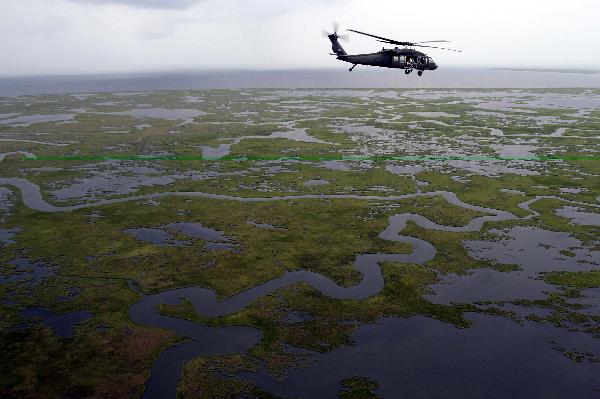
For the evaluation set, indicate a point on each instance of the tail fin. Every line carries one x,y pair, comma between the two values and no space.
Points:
335,45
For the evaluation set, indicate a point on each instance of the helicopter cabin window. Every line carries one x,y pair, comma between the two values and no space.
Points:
423,60
398,60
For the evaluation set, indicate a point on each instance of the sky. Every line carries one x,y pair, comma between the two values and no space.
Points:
55,37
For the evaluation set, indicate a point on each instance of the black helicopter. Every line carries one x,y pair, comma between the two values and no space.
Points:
402,58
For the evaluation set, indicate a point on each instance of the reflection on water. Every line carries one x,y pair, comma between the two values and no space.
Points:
425,358
299,135
579,216
405,169
27,272
187,115
7,235
6,200
215,152
487,285
157,237
535,250
515,150
315,183
163,236
435,114
61,324
28,120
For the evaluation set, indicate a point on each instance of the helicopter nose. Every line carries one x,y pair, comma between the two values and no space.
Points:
434,66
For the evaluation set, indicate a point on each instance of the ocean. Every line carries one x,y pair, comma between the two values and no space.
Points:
309,78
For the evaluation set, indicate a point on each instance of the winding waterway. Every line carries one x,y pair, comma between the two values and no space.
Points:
204,340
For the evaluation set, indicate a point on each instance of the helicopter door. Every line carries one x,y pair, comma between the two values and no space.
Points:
398,60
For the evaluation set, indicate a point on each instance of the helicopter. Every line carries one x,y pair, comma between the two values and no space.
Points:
401,58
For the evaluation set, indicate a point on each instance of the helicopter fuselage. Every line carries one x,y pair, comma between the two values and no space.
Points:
401,58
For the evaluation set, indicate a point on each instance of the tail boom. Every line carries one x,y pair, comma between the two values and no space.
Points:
336,47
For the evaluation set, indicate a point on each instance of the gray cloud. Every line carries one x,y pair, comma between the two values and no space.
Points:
95,36
170,4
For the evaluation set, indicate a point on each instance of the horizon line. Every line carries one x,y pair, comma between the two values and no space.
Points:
567,70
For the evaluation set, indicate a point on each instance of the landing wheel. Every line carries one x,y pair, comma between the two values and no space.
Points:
420,73
353,66
407,71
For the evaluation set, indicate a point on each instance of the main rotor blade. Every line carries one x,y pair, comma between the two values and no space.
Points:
382,39
345,38
410,44
434,41
336,26
440,48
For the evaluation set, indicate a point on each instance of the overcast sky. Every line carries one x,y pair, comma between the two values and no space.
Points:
97,36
